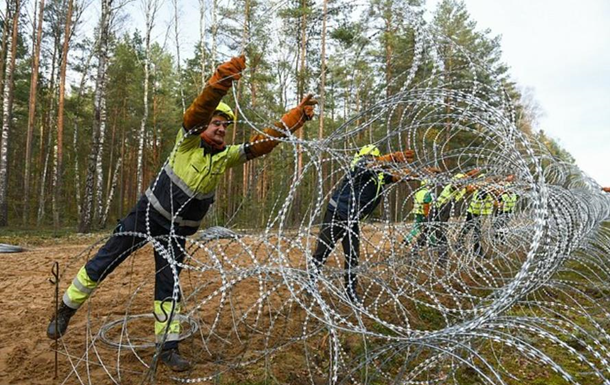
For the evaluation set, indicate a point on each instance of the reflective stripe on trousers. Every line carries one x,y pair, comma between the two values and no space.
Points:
81,288
163,313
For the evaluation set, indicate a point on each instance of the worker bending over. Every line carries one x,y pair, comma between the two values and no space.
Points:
176,203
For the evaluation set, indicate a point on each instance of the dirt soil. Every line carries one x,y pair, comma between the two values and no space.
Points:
221,351
251,333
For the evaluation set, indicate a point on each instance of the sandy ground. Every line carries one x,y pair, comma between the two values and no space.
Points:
224,342
237,326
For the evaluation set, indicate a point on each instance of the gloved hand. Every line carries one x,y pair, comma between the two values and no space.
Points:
606,189
473,172
296,117
406,156
200,111
224,75
471,188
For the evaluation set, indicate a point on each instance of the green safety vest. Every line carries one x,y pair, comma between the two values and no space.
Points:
481,205
450,193
508,200
422,196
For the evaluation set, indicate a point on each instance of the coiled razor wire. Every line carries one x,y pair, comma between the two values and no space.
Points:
533,304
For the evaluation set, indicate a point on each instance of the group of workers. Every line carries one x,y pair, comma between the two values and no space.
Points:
488,197
177,201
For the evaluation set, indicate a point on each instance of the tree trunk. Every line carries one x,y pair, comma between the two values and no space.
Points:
43,180
95,155
177,36
46,151
111,192
301,93
202,40
7,114
77,185
36,38
60,116
151,10
214,34
5,35
322,91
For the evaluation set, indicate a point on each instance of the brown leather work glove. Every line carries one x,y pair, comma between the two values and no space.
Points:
296,117
224,75
406,156
606,189
473,172
200,111
261,144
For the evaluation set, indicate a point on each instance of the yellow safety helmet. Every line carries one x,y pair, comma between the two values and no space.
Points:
225,110
369,149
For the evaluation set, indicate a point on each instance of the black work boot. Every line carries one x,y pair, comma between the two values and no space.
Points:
174,361
58,326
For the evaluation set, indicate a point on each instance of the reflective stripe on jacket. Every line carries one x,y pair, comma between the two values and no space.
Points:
508,200
482,203
187,183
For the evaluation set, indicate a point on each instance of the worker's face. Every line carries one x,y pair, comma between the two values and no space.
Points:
217,128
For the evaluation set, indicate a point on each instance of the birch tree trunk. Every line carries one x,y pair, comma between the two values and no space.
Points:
150,7
95,155
48,149
57,194
247,167
43,180
5,36
214,34
111,192
36,38
7,106
202,27
178,62
81,88
99,171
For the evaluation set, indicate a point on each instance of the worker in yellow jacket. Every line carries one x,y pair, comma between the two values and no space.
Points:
176,203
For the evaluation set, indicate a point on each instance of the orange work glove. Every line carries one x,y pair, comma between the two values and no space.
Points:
261,144
606,189
224,75
400,175
295,118
200,111
473,172
406,156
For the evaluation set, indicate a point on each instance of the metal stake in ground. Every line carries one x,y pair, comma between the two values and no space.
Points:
55,281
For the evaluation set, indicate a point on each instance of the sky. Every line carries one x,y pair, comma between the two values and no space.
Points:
560,49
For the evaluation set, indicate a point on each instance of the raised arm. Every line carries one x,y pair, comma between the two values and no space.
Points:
260,144
199,113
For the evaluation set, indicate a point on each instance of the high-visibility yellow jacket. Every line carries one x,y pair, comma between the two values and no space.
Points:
451,193
482,203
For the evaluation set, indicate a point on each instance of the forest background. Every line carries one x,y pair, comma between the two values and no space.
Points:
91,110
